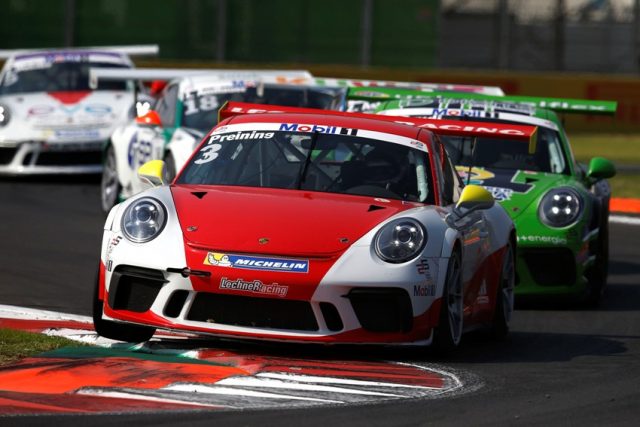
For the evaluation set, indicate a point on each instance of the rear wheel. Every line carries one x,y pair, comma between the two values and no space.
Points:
115,330
505,296
449,330
110,187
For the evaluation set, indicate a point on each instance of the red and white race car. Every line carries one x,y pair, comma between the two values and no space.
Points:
51,120
311,226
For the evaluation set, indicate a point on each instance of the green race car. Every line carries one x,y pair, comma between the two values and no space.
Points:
559,207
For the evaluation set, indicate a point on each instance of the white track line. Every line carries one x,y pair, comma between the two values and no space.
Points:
334,380
292,385
229,391
628,220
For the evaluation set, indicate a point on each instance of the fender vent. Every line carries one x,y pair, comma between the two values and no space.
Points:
199,194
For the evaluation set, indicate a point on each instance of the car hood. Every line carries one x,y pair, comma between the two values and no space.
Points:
275,221
516,190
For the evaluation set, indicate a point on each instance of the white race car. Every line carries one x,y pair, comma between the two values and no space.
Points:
51,121
186,109
311,226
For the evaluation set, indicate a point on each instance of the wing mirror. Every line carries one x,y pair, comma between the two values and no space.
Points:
152,172
473,197
601,168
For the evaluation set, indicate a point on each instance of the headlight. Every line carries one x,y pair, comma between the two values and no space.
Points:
5,115
400,240
560,207
143,220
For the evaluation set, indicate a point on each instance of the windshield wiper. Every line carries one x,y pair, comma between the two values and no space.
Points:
307,161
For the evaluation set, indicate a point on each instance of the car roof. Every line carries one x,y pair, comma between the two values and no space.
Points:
505,111
406,131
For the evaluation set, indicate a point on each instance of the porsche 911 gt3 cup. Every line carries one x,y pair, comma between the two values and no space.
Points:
50,120
311,226
561,209
186,110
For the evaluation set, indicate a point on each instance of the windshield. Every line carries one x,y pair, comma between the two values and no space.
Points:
57,76
336,163
508,154
201,110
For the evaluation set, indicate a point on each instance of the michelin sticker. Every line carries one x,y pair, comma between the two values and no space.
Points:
257,263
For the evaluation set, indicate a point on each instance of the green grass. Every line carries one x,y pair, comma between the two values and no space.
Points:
619,148
14,345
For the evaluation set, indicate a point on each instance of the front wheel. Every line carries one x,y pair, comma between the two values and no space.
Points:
110,187
448,333
505,296
115,330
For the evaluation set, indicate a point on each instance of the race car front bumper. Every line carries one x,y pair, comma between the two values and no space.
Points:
39,158
357,313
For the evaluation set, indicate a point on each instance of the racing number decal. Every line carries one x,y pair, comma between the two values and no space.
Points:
140,150
209,153
194,104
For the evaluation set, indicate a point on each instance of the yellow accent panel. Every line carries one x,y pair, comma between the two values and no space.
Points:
152,171
475,193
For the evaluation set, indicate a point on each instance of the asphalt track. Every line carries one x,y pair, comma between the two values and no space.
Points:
559,366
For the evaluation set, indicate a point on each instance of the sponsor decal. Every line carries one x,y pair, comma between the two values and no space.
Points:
93,109
218,259
254,286
502,187
500,194
239,136
77,133
110,247
427,290
554,240
482,294
478,175
295,127
423,266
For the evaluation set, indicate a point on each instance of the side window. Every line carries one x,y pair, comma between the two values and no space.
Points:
166,106
449,180
452,181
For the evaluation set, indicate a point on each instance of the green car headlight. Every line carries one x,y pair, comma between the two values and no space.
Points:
400,240
143,220
560,207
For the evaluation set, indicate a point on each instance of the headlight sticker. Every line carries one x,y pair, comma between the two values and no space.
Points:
285,265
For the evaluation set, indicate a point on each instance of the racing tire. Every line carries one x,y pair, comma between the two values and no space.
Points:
597,274
448,333
115,330
504,296
110,187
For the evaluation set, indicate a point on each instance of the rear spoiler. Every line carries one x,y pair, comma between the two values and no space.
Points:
559,105
523,133
134,50
300,77
417,86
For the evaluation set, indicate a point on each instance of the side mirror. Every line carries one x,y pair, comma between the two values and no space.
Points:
474,197
601,168
150,118
152,172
